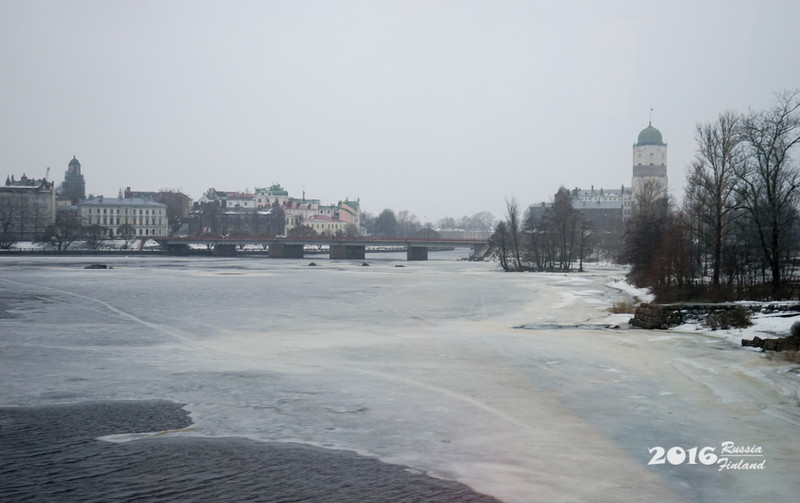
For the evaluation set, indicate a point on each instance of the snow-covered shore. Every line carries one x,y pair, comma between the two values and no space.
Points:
764,325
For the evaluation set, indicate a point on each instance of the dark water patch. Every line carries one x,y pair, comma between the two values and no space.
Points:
557,326
52,454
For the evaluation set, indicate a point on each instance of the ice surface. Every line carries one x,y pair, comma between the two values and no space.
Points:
418,365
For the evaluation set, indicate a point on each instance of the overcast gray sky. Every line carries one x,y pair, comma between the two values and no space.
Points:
442,108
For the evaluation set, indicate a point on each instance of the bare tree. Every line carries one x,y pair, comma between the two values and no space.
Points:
301,230
650,200
535,242
769,180
127,232
407,224
64,232
585,241
94,235
514,231
386,224
500,245
276,220
645,233
481,221
711,184
566,224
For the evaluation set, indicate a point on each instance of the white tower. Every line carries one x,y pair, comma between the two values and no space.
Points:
649,166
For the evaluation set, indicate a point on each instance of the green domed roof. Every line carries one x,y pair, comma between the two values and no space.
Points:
650,136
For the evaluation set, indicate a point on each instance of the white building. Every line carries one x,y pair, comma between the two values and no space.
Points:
229,200
583,199
148,218
267,196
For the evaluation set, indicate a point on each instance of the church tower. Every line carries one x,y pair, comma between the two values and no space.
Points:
649,182
74,186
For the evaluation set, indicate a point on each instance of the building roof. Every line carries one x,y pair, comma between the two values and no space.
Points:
26,182
650,136
236,195
322,218
601,192
274,190
352,204
119,201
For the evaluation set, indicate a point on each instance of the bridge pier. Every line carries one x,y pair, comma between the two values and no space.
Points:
348,252
177,249
416,253
282,250
224,250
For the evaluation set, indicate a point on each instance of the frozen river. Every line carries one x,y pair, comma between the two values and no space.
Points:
510,383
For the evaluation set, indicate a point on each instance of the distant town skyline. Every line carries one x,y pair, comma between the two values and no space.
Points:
438,108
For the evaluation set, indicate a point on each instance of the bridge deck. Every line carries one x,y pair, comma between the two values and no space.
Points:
340,247
322,240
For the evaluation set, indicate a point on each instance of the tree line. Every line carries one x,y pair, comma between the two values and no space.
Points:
736,232
557,240
401,224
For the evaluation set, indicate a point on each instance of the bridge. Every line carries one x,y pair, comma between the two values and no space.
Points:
340,247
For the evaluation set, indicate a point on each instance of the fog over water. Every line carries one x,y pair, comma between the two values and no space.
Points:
513,384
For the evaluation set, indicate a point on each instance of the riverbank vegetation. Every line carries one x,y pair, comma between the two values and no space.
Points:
735,235
557,241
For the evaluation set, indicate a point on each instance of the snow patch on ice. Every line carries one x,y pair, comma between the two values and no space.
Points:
569,298
642,294
765,326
